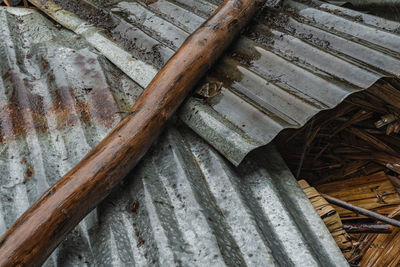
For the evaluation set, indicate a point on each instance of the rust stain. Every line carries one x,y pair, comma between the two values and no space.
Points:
29,172
28,111
135,207
101,105
21,102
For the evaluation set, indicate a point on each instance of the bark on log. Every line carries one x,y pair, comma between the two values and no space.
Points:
46,223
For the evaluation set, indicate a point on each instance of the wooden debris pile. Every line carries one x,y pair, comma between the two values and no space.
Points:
352,153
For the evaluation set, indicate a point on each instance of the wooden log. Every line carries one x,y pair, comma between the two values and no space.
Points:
47,222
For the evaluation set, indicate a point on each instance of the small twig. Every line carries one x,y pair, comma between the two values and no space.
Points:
360,210
367,228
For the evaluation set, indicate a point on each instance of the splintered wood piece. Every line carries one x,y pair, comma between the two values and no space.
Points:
385,120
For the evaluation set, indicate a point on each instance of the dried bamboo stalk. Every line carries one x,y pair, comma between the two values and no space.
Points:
374,192
330,217
384,250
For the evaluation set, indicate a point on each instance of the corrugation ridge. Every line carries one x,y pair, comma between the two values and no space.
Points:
279,70
164,254
245,114
14,206
365,18
266,95
279,220
165,9
149,22
164,206
106,251
144,45
19,104
302,211
313,58
199,219
58,156
353,28
339,46
229,191
217,130
11,26
74,250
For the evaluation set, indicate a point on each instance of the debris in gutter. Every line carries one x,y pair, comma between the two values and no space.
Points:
351,153
209,89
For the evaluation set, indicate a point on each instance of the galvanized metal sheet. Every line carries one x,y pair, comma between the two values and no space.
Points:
291,64
185,204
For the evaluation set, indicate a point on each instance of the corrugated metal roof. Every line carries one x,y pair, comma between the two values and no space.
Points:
184,205
187,206
291,64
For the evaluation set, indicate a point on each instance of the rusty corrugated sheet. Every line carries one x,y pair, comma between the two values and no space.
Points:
291,64
184,205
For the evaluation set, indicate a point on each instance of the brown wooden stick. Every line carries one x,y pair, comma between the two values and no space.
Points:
362,211
46,223
367,228
7,3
